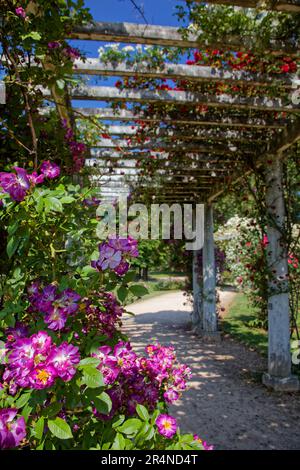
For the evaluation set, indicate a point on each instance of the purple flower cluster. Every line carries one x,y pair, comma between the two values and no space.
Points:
57,306
18,184
12,429
139,380
103,318
54,45
114,253
36,362
78,149
72,53
162,367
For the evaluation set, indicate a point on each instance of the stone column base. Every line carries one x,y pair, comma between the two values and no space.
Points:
287,384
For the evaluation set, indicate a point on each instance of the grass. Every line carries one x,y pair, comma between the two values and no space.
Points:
236,321
165,274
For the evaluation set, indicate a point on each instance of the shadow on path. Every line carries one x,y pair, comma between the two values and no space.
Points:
226,403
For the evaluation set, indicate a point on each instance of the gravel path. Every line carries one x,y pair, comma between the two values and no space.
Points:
226,403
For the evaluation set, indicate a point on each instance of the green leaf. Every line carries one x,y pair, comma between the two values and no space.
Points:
143,432
129,277
92,377
23,399
119,442
38,428
138,290
142,412
51,410
119,421
12,245
67,200
60,84
122,293
131,426
35,35
26,411
89,361
53,204
60,428
103,403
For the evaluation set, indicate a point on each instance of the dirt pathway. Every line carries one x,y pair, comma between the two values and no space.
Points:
226,403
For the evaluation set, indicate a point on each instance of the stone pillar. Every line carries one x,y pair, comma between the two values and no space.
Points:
197,307
279,352
210,327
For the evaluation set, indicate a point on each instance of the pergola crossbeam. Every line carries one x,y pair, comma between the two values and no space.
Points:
113,94
132,33
94,66
110,114
291,6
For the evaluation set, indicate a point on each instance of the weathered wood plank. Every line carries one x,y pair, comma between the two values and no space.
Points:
93,66
191,134
278,146
166,36
212,147
125,115
291,6
2,93
112,94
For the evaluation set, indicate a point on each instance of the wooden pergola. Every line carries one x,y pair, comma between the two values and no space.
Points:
194,157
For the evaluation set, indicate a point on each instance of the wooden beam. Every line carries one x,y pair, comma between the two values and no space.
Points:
2,92
112,94
93,66
167,36
110,114
186,170
290,6
177,147
191,134
150,156
278,146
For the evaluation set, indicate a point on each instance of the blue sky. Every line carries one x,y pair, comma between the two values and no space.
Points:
160,12
156,11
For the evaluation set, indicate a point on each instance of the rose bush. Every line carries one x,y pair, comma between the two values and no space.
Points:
69,377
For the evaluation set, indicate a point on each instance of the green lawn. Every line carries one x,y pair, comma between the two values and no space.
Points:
235,323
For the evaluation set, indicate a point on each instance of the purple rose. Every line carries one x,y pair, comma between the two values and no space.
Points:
20,12
12,429
50,170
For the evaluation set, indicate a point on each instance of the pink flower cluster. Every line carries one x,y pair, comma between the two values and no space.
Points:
140,380
36,362
18,184
57,306
114,253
